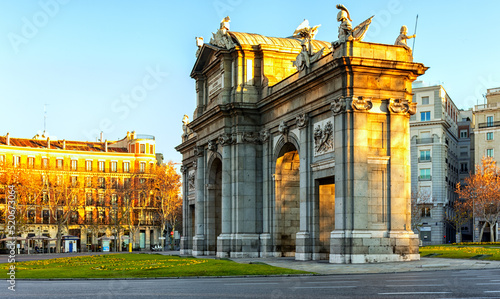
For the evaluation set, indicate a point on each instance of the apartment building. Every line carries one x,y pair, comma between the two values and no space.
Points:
95,178
434,160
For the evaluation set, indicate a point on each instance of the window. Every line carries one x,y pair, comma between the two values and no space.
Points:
45,216
74,164
74,217
101,182
126,166
489,152
31,162
114,183
464,167
426,212
425,100
88,165
463,133
425,174
88,182
425,116
102,216
126,182
143,148
45,162
2,159
88,199
114,199
489,136
101,200
425,155
88,217
489,121
151,149
114,167
59,163
101,166
74,181
16,161
142,167
45,198
31,216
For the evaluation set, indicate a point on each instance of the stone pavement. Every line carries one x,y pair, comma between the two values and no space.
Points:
425,264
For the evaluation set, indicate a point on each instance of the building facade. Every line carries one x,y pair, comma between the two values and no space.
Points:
87,182
284,160
434,160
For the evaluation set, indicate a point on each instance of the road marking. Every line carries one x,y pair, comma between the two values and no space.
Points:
492,291
248,283
334,281
327,287
486,283
414,293
414,285
412,280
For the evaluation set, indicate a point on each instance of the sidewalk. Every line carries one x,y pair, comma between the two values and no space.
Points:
425,264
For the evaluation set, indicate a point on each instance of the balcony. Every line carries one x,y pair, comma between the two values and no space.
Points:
425,177
489,124
423,160
425,140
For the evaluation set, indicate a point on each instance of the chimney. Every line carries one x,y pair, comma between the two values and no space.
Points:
101,137
8,139
48,142
128,135
106,146
133,134
64,144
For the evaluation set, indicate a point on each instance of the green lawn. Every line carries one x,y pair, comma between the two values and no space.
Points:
138,265
462,251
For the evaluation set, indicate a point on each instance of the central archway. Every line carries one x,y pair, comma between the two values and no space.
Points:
287,200
214,205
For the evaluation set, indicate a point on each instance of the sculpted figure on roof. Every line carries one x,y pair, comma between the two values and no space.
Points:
401,40
222,38
306,57
346,32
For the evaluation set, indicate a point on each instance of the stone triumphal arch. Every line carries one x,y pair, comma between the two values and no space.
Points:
299,147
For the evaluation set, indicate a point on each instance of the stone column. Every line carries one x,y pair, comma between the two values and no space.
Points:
303,246
224,239
267,189
184,250
199,245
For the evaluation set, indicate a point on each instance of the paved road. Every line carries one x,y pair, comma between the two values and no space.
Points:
434,284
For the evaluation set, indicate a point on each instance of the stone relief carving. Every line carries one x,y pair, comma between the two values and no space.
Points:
301,120
346,32
361,103
212,146
195,165
283,128
398,105
401,39
264,135
225,139
323,139
222,38
306,57
191,181
198,151
338,105
250,137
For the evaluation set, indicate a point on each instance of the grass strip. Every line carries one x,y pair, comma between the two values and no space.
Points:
139,266
484,252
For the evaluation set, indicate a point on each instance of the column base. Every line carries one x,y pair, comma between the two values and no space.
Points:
303,248
224,245
355,247
198,245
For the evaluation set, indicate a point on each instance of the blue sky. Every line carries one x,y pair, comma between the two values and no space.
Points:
118,65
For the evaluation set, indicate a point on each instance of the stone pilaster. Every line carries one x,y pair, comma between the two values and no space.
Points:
224,239
199,245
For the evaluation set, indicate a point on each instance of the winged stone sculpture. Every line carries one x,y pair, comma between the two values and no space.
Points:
346,32
306,57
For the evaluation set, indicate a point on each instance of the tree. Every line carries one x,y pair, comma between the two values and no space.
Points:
460,213
482,191
421,203
166,184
